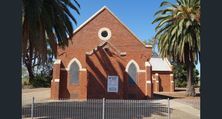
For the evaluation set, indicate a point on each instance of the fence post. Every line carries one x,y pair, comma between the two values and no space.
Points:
32,108
103,113
168,108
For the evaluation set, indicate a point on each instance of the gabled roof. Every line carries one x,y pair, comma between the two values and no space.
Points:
160,64
97,13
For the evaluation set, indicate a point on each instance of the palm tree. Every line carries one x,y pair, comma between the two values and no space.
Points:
45,23
178,34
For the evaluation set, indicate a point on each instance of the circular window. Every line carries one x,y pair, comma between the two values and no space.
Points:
104,34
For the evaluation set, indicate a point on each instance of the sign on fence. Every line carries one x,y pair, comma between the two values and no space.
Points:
112,84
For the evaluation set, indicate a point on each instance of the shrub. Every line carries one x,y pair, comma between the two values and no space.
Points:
180,83
41,81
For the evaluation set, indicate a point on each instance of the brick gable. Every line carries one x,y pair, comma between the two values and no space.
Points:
98,59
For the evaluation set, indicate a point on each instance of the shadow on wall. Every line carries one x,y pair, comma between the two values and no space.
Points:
63,90
160,84
103,63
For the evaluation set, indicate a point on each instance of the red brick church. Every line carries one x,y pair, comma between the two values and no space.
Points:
105,59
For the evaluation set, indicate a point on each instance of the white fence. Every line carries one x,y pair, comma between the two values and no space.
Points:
96,109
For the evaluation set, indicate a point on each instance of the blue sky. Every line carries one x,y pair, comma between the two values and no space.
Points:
136,14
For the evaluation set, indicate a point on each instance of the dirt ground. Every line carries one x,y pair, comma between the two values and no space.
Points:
39,94
180,96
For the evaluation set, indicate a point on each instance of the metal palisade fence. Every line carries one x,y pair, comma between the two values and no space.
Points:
96,109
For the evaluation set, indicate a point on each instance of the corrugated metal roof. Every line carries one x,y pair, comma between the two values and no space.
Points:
159,64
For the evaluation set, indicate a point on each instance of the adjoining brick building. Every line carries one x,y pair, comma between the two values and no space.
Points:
105,59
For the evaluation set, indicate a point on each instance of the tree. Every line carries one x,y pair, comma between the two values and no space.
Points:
24,73
34,66
152,42
178,34
46,24
180,75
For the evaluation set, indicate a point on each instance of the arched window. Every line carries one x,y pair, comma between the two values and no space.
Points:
132,74
74,72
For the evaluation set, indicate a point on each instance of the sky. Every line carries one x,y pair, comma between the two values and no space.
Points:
137,15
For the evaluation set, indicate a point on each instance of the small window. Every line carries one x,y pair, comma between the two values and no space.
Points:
74,73
104,33
132,72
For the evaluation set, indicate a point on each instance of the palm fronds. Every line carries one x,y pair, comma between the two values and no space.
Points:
179,26
47,22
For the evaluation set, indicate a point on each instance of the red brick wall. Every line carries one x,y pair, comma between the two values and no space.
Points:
99,65
87,39
164,81
55,81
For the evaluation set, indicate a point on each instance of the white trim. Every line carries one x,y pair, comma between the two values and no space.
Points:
172,81
125,26
89,19
66,69
95,14
122,53
78,62
134,62
141,71
148,46
57,61
89,53
83,69
57,80
108,35
148,82
156,74
171,75
157,81
165,59
147,64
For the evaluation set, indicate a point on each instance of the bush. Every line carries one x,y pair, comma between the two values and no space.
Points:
181,83
41,81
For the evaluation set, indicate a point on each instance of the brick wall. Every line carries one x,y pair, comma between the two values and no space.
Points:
164,81
101,63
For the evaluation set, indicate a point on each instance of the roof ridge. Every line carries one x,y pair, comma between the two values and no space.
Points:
90,18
